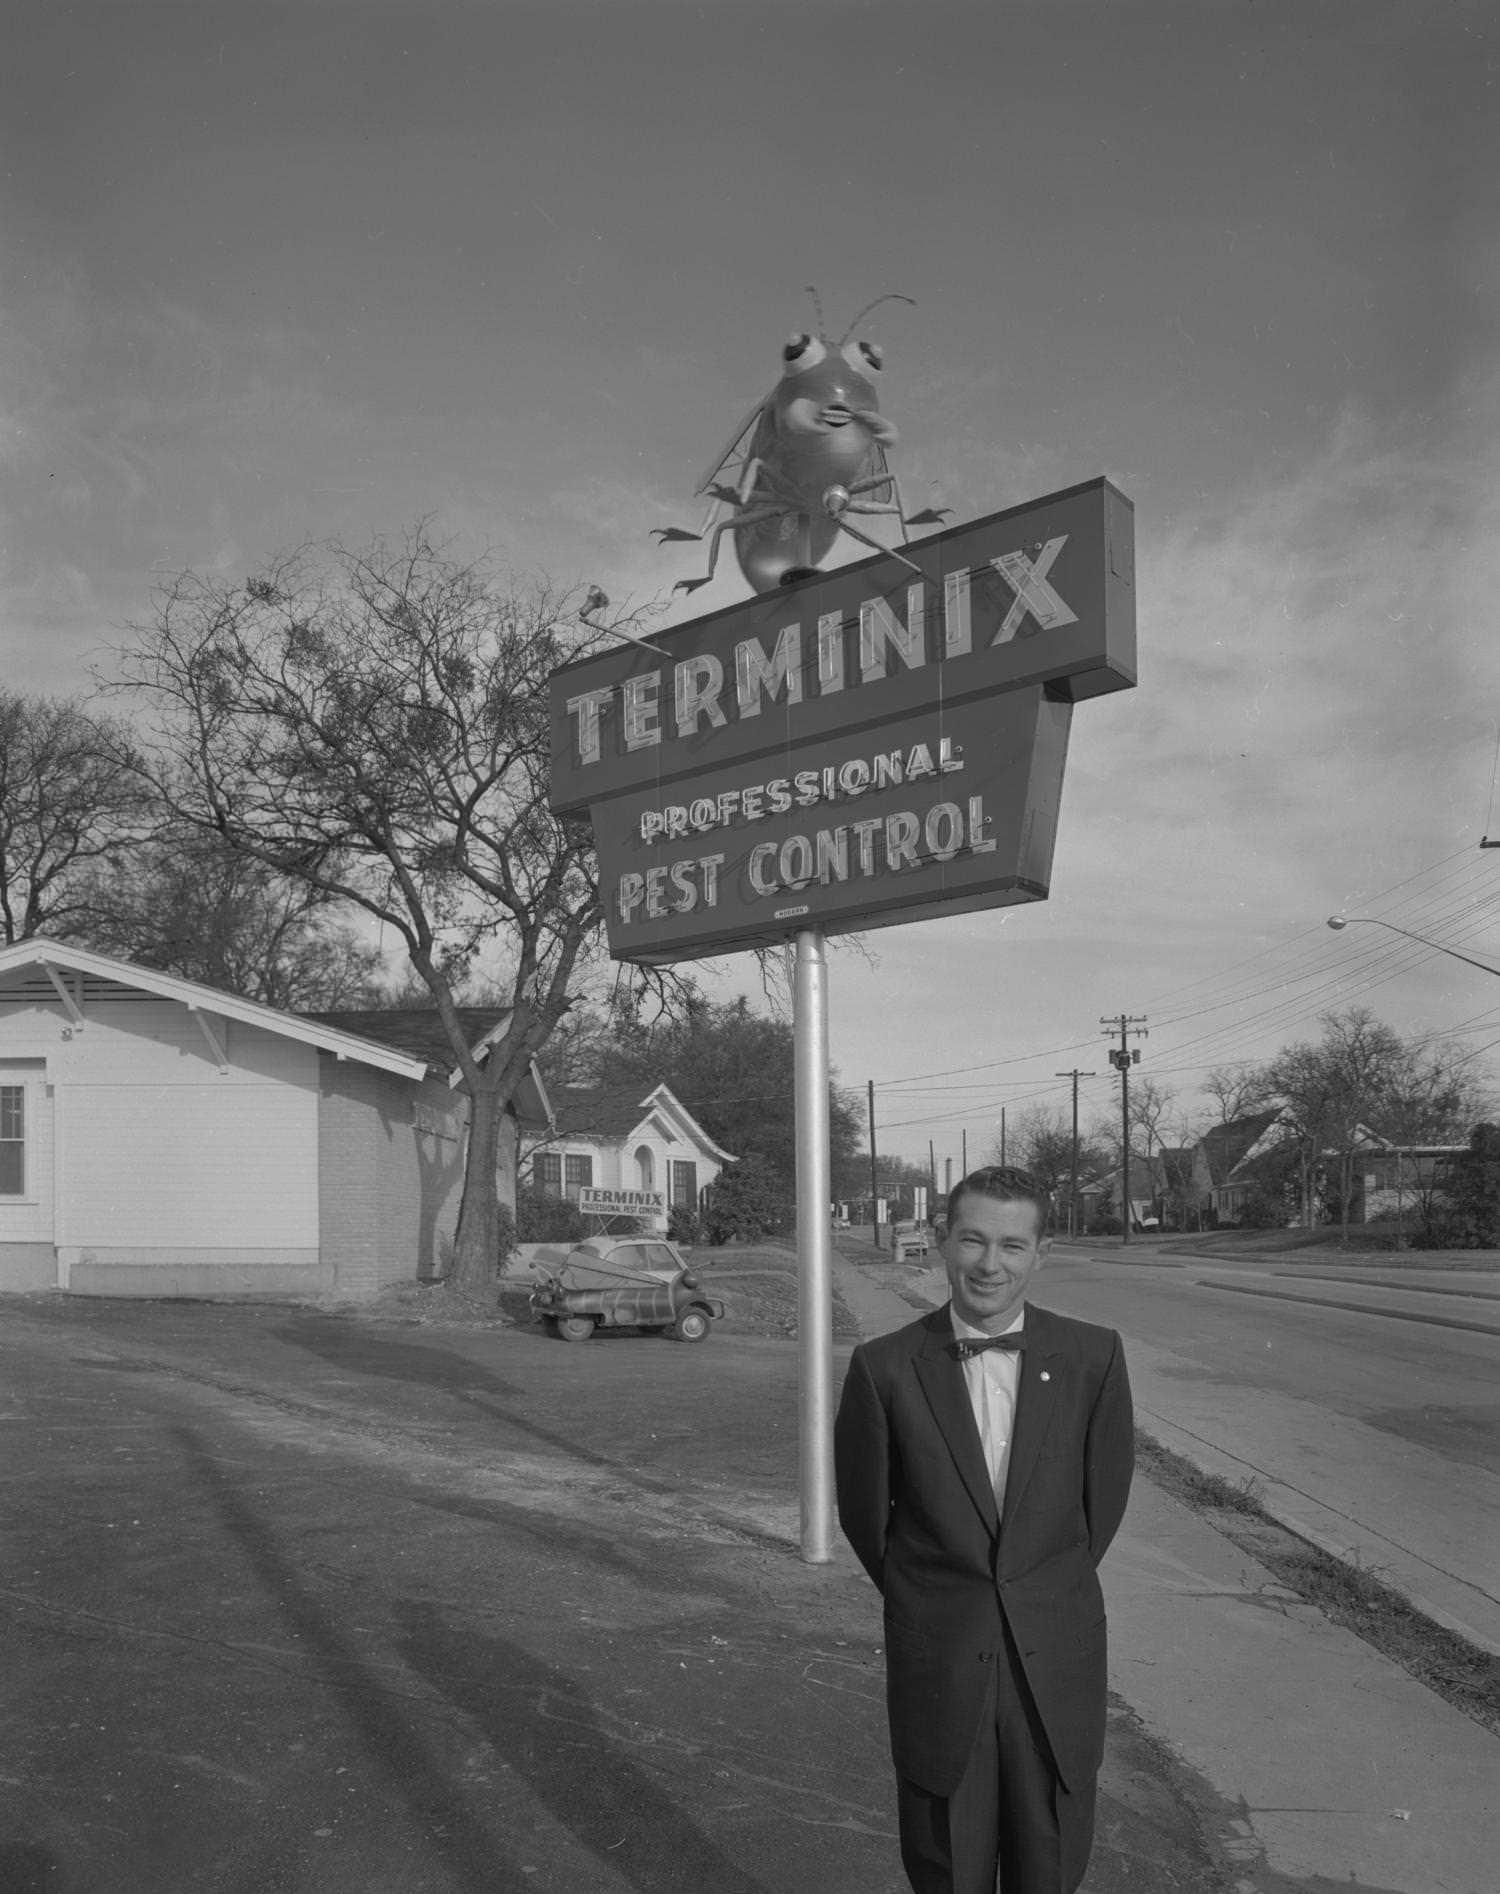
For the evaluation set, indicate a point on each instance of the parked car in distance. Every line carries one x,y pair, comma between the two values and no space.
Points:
909,1239
640,1282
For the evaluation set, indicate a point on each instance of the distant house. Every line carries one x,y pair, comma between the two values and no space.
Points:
1261,1156
1102,1196
1389,1179
160,1138
1236,1161
621,1139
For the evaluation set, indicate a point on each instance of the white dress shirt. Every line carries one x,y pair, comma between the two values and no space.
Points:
993,1380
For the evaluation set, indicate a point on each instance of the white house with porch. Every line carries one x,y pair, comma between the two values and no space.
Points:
621,1139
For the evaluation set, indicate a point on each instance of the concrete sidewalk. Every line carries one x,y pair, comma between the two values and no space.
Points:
1347,1771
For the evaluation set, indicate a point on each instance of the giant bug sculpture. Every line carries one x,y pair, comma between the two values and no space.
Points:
809,455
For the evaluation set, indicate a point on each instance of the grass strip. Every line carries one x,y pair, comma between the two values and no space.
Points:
1463,1675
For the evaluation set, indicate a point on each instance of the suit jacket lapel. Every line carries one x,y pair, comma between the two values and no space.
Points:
1035,1404
942,1381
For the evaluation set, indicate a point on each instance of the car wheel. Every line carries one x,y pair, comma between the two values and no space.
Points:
575,1328
691,1326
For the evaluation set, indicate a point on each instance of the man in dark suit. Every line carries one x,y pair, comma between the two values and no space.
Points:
980,1481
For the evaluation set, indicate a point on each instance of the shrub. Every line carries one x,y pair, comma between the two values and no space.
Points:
549,1220
1470,1217
685,1225
745,1200
1259,1211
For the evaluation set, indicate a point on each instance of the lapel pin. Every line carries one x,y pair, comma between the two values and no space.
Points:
1045,1375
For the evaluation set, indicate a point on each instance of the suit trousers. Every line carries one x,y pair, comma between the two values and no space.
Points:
1010,1823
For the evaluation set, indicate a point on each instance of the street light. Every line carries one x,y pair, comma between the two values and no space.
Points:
1367,920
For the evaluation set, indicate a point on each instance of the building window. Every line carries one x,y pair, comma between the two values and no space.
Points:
546,1173
684,1184
578,1174
12,1140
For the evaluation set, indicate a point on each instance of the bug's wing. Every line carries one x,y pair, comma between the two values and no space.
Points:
883,495
728,464
883,466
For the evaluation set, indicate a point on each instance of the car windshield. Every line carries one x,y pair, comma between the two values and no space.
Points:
650,1256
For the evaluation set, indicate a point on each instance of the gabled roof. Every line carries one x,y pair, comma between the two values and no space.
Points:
1228,1145
1143,1170
614,1113
416,1030
419,1031
76,979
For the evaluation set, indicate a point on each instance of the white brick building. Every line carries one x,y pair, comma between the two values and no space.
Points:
158,1137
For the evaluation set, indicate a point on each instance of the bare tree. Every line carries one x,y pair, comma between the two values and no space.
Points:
1040,1140
1334,1091
1150,1108
1042,1143
188,904
69,796
375,726
1238,1091
1435,1094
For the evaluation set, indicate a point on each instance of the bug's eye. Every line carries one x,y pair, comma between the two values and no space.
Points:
802,351
867,355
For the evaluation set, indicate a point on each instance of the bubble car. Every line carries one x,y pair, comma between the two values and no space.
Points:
639,1282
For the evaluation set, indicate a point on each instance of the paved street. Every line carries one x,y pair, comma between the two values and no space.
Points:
1392,1379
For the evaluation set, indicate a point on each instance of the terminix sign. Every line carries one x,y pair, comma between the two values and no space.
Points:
867,747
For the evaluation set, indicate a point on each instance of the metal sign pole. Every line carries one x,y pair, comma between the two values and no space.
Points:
814,1248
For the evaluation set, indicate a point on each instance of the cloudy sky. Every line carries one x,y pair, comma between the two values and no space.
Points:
273,273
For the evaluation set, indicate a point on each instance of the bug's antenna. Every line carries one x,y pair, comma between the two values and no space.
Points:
817,306
894,297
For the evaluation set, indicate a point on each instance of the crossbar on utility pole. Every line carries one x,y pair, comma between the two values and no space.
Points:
1121,1059
1075,1075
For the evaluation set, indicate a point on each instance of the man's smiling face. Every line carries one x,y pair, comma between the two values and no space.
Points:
992,1250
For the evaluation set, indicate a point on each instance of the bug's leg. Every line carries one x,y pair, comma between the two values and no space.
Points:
874,544
929,516
749,477
751,518
720,497
872,481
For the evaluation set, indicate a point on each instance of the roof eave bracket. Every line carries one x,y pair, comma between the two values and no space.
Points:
70,1004
216,1046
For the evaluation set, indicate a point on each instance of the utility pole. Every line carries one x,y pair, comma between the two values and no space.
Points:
874,1194
1075,1075
1122,1058
1002,1137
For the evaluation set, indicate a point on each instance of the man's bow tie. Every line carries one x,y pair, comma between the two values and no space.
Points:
1015,1342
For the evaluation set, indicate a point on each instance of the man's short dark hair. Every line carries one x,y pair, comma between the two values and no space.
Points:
1007,1185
